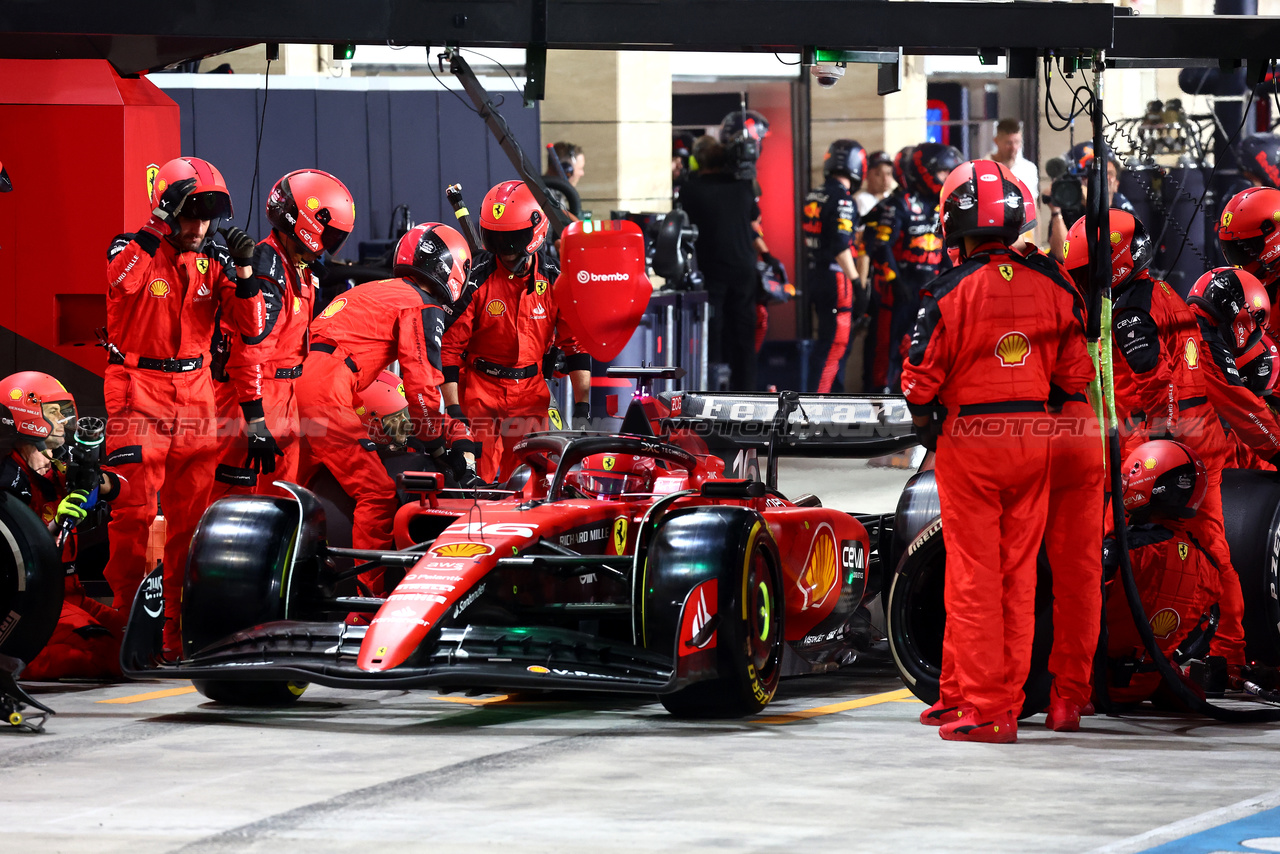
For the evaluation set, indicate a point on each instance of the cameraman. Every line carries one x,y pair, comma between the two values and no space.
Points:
1070,193
723,207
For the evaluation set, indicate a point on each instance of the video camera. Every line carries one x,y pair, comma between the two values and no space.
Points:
741,133
669,240
1066,191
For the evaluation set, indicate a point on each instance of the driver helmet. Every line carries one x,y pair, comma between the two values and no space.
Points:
384,410
612,476
1164,478
36,409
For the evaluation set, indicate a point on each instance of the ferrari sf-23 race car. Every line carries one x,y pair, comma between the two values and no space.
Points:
613,562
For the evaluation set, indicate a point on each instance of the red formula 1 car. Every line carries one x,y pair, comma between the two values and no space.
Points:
616,562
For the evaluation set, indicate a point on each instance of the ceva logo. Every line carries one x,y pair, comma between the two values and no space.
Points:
584,277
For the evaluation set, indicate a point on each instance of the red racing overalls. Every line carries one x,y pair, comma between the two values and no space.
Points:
997,339
162,432
494,351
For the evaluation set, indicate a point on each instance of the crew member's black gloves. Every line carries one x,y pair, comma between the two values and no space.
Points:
240,244
162,219
263,449
464,472
928,420
454,411
581,416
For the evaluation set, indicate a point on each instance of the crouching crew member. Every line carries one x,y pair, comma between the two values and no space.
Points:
998,340
40,413
166,284
1164,485
830,223
352,341
311,213
493,351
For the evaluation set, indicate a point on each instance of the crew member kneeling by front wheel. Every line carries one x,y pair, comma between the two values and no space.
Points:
999,339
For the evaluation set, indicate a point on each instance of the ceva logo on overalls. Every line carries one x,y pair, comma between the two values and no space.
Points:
584,277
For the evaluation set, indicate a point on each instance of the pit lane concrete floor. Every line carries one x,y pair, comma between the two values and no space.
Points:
838,763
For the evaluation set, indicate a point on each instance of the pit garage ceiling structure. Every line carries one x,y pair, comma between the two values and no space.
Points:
151,34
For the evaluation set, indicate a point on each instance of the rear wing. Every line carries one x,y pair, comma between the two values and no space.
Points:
792,424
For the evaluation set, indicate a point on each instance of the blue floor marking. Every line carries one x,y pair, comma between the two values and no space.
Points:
1262,828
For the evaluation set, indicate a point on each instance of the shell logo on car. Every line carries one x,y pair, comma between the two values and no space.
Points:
461,550
1012,349
821,572
334,307
158,288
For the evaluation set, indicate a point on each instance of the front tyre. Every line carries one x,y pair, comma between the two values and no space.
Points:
257,694
749,647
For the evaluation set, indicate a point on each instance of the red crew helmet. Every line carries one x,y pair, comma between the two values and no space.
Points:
611,476
36,409
1220,293
436,258
384,410
1258,367
1165,478
1249,232
209,200
1131,248
314,208
512,226
981,198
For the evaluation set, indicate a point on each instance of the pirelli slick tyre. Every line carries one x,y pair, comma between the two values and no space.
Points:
1251,513
238,578
732,546
917,616
31,581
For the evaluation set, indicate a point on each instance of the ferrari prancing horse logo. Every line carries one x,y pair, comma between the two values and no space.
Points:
609,463
202,264
1006,271
498,210
1182,550
152,171
619,534
540,287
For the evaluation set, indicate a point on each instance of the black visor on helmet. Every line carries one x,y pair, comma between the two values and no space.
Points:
211,205
507,242
1243,251
331,238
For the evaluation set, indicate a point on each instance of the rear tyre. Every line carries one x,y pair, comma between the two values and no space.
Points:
750,639
1251,513
917,617
31,581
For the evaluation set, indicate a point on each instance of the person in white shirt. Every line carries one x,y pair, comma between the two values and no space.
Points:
1008,143
877,183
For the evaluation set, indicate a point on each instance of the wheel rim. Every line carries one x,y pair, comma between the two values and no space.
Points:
762,617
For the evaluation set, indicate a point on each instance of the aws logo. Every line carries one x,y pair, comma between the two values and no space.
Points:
158,288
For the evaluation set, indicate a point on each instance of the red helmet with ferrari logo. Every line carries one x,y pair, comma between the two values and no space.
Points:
384,410
314,208
1220,293
209,200
1131,248
981,198
1258,366
612,476
1164,478
436,258
1249,232
512,225
36,409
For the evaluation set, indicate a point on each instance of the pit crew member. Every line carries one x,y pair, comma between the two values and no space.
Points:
999,339
492,352
311,213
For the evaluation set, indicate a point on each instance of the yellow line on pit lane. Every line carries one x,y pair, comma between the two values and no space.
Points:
152,695
472,701
901,695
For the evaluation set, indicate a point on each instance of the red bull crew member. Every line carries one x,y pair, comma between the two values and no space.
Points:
999,339
492,353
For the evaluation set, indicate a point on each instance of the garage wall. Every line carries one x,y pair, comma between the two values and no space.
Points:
390,141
